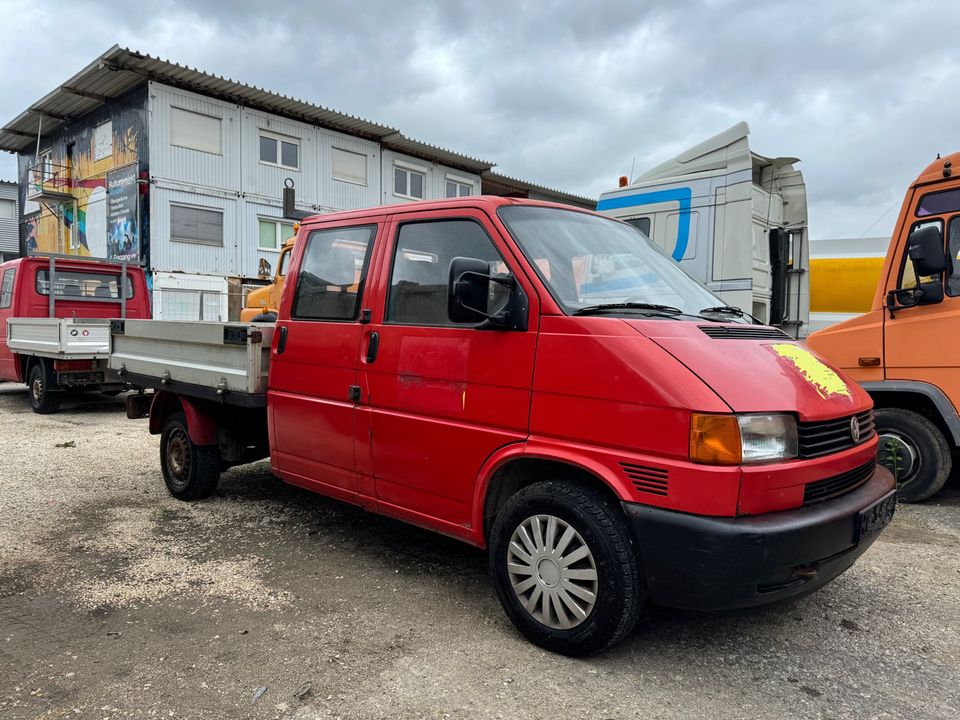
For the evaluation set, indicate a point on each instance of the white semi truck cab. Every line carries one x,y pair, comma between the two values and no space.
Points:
734,220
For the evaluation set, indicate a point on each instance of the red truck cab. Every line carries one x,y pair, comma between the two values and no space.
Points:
544,382
81,288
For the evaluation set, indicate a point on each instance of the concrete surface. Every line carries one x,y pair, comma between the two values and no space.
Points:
117,601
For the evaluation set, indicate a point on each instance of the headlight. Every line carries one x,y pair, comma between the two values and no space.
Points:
736,439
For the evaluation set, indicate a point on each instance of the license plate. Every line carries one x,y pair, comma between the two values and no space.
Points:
871,520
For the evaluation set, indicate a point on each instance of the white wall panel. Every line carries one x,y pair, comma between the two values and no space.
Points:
170,256
184,165
265,181
181,296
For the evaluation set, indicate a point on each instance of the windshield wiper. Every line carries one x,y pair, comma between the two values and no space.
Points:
731,310
613,307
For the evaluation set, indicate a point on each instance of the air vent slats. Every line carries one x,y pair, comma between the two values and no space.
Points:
837,485
647,479
743,332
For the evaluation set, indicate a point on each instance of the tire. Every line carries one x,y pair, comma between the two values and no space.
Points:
43,398
915,451
191,472
610,568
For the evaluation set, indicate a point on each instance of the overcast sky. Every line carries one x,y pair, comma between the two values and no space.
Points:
565,94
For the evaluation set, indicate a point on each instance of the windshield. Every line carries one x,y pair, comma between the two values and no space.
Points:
586,260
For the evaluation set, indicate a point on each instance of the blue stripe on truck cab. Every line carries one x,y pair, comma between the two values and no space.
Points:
683,196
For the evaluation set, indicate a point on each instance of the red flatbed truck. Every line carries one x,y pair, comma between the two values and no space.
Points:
55,323
540,381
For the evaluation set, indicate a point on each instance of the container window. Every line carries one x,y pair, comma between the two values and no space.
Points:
408,183
332,273
196,225
455,188
82,284
275,150
349,166
273,233
8,209
194,131
6,288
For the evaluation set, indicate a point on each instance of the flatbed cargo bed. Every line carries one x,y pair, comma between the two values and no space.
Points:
227,362
60,338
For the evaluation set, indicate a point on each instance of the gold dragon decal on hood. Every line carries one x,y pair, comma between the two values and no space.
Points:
815,372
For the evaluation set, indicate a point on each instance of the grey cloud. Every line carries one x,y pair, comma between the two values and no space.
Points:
567,94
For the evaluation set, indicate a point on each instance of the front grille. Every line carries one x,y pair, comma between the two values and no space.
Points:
838,484
647,479
830,436
743,332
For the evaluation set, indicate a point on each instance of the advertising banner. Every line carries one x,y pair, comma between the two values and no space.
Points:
123,233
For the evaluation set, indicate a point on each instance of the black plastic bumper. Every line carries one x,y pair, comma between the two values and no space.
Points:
709,563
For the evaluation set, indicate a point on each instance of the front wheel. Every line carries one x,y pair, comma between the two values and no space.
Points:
566,569
190,471
43,398
915,451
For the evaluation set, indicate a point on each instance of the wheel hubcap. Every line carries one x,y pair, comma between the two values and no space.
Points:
899,455
178,457
552,571
37,389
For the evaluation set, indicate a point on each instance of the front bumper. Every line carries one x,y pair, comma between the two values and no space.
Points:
697,562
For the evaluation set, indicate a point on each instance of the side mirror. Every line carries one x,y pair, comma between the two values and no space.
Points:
925,248
468,297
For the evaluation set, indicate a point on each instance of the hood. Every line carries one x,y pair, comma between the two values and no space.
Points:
758,369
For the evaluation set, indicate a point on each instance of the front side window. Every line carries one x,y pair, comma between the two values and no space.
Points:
953,237
82,284
408,183
6,288
587,260
641,223
421,268
334,266
196,225
908,278
275,150
273,233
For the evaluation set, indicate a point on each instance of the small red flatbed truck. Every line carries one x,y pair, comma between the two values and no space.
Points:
542,382
59,340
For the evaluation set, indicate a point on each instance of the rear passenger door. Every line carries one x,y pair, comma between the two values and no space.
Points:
443,396
313,375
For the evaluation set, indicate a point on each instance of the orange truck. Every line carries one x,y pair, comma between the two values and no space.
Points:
261,304
904,351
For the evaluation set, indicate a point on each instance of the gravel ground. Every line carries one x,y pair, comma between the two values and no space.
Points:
117,601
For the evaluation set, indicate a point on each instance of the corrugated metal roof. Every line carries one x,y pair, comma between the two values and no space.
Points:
497,184
120,70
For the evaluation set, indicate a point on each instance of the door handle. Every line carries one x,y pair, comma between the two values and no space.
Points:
353,395
373,346
282,342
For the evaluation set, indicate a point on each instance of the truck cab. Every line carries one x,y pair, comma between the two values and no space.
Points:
734,219
902,351
261,304
54,323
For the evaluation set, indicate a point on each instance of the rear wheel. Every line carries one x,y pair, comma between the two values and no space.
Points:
43,398
565,568
915,451
190,471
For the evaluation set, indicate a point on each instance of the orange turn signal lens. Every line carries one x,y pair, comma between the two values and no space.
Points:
715,439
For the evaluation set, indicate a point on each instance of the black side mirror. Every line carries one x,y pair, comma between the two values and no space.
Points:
925,248
468,297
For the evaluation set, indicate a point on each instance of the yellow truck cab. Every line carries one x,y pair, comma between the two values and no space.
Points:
261,304
903,351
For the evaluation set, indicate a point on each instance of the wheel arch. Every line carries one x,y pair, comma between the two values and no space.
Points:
201,426
516,466
920,397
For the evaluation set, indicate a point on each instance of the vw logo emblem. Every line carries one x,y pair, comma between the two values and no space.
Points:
855,429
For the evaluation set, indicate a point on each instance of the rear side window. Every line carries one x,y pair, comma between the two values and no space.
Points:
6,288
332,273
82,284
953,238
421,268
